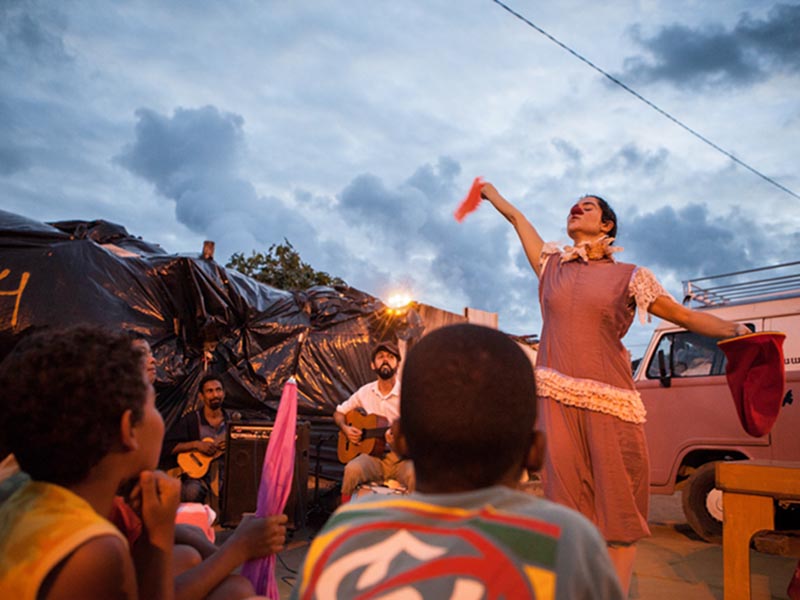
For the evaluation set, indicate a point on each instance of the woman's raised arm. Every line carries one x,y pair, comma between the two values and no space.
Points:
531,240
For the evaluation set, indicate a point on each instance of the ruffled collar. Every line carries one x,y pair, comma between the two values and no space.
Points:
598,249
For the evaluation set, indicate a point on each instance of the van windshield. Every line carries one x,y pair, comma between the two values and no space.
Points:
687,354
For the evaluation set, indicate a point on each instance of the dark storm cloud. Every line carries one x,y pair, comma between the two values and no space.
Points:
715,57
693,241
777,37
173,152
411,209
366,201
192,158
29,33
632,158
436,182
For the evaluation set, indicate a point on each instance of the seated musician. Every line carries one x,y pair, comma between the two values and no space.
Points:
200,434
381,398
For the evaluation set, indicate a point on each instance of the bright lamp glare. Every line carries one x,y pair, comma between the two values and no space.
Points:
398,300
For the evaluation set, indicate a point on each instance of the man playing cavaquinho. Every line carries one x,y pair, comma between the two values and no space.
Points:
191,434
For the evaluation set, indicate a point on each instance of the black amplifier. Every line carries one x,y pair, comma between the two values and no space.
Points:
244,458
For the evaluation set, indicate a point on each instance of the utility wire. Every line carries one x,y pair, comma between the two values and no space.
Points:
645,100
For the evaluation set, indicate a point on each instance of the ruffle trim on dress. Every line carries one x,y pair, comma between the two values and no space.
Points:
585,251
590,394
645,288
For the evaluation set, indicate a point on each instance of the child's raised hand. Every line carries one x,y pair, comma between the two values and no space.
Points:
160,497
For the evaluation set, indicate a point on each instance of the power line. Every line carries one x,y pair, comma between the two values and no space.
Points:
645,100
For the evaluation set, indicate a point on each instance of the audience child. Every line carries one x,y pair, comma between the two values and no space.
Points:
202,570
467,415
81,420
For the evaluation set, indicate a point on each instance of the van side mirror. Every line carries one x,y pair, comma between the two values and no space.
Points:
664,377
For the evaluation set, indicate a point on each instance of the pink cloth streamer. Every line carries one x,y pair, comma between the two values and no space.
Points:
275,486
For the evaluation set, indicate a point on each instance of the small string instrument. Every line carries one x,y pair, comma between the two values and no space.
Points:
195,464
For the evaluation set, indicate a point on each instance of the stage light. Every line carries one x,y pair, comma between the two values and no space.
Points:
398,300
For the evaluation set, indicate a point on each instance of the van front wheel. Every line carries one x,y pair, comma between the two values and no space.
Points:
702,503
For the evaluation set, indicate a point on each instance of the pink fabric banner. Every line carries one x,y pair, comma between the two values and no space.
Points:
276,484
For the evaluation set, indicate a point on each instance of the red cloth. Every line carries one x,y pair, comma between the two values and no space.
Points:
126,520
471,201
756,375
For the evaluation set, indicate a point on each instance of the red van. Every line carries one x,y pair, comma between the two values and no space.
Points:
691,419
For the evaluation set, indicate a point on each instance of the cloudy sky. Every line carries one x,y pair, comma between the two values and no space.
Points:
353,129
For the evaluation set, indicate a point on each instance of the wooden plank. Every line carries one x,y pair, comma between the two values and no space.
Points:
779,479
744,516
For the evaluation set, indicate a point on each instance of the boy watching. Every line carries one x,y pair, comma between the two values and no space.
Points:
81,420
467,415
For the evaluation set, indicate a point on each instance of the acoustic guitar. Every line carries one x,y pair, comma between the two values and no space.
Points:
194,463
373,429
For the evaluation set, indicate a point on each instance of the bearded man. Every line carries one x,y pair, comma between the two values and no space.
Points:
202,431
381,398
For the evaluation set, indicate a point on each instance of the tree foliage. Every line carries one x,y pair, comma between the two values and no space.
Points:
282,268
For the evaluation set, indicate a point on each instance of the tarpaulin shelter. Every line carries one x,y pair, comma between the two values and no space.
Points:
196,314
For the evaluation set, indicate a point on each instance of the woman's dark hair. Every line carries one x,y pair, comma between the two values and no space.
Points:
607,214
64,395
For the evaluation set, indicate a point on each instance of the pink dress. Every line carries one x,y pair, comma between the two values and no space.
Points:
590,410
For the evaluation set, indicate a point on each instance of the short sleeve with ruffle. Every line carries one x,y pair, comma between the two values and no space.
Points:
645,288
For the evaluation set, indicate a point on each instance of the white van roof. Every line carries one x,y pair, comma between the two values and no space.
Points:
742,287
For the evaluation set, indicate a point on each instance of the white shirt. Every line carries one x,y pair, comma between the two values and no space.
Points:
373,402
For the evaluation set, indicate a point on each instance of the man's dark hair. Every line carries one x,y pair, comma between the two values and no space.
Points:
467,406
209,377
65,393
607,214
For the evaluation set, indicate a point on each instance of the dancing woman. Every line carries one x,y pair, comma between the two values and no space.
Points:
596,460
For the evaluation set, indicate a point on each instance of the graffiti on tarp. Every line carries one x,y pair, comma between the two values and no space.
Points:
23,281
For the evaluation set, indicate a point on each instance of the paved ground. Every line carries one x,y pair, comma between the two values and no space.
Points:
672,564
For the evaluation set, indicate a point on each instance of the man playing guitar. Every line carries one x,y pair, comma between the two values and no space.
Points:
381,398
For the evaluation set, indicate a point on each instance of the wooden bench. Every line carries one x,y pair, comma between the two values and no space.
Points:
749,489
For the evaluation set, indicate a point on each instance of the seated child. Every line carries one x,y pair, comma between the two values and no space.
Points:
80,420
467,416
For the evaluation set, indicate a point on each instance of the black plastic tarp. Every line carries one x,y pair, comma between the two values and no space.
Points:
197,316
